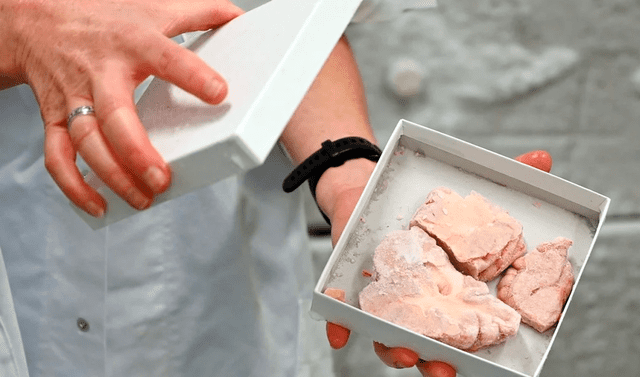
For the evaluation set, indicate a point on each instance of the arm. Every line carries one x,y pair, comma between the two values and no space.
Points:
335,107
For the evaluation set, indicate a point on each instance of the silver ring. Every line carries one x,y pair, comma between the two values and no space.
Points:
82,110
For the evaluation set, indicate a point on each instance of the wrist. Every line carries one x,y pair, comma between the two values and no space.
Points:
345,182
343,166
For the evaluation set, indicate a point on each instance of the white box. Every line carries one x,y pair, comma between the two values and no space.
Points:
269,57
417,160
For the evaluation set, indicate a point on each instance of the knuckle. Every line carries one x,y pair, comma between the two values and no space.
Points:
137,158
52,120
51,163
125,37
69,188
167,61
112,104
119,181
66,184
173,24
51,111
195,78
81,132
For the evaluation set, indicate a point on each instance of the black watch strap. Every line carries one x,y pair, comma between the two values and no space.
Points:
332,154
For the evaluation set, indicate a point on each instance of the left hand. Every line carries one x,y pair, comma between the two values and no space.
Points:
75,53
398,357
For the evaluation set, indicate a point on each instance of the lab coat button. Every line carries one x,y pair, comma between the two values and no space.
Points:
83,325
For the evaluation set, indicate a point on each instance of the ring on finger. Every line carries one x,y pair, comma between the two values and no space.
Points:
82,110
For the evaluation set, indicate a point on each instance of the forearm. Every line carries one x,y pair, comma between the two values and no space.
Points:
335,107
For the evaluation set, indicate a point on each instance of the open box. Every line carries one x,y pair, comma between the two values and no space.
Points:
417,160
269,57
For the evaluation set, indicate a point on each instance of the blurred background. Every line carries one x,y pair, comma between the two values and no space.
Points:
513,76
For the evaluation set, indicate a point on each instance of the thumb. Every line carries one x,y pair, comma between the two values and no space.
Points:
204,16
337,335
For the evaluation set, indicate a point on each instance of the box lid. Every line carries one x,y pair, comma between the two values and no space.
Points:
269,57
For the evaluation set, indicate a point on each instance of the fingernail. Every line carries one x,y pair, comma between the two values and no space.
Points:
156,179
137,199
214,89
95,210
405,358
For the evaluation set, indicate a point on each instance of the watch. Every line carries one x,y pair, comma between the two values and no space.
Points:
332,154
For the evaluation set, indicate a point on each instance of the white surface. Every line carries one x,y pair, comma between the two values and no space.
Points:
269,57
547,207
12,360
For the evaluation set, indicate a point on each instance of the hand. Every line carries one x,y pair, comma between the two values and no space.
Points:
75,53
398,357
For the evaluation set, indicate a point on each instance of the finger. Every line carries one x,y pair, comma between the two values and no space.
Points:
436,369
204,16
182,67
396,357
538,159
126,135
337,335
92,146
59,160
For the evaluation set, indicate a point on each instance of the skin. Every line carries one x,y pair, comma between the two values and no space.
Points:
72,55
538,159
335,107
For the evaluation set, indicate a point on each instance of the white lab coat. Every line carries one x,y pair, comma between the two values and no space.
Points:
215,283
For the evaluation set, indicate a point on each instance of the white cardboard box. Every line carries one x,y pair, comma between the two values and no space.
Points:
269,57
417,160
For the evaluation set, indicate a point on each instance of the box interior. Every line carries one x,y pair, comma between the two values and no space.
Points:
409,169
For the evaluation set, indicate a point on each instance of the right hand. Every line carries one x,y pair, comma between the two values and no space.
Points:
398,357
395,357
338,336
75,53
